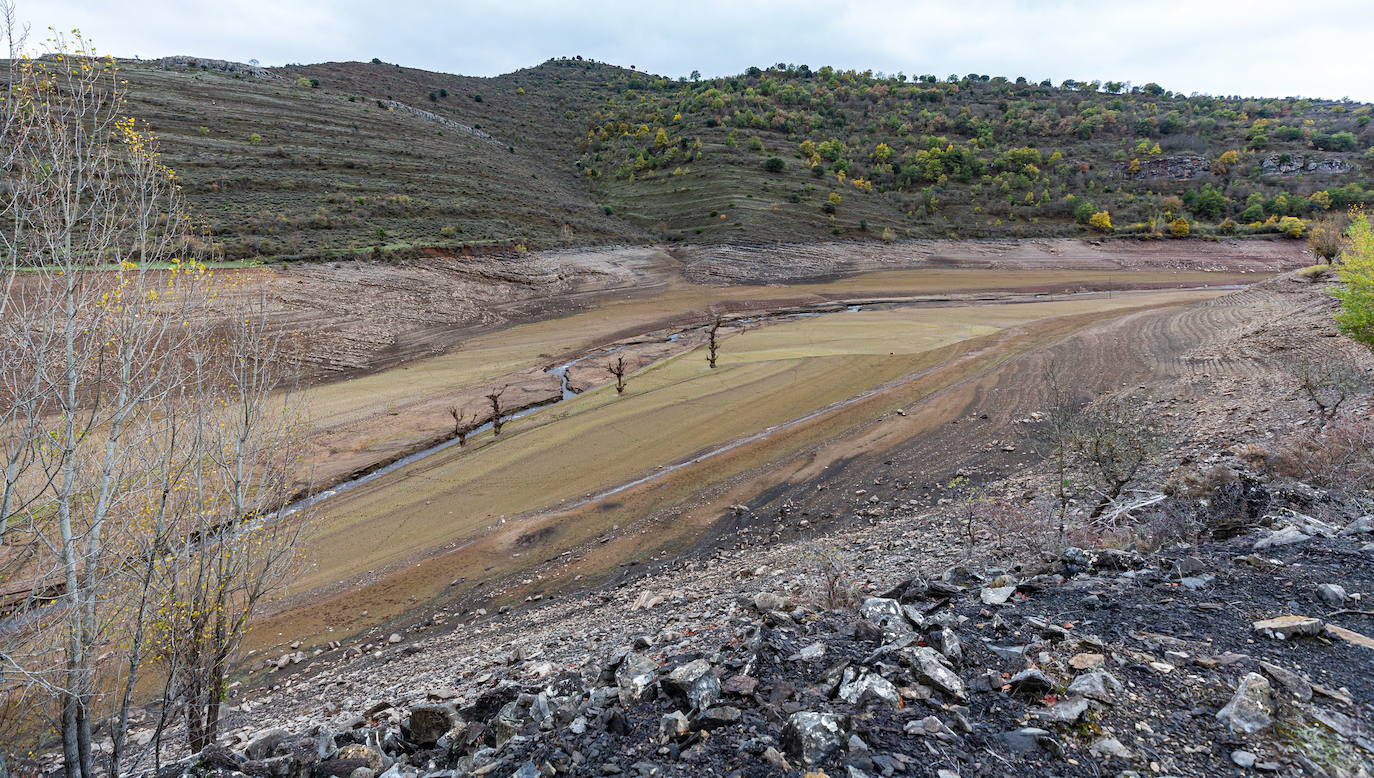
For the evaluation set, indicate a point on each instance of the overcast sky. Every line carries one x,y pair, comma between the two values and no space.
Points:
1317,48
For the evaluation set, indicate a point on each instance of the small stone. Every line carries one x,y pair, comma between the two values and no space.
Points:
1066,711
931,669
1360,525
870,686
1284,627
719,716
1025,740
1101,686
947,643
1251,708
428,723
394,638
1087,661
766,602
673,725
887,614
1031,682
996,595
1194,583
1283,537
1110,746
1332,594
634,677
1243,758
262,744
1296,685
810,653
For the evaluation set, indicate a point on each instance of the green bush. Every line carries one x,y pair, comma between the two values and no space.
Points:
774,165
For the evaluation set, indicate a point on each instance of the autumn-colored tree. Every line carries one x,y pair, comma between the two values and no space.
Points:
1356,290
146,442
1292,227
1226,162
1179,228
1101,221
1326,236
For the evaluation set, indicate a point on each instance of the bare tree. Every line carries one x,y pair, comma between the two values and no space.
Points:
1113,444
713,340
1329,382
617,369
494,399
238,545
1052,438
134,459
462,424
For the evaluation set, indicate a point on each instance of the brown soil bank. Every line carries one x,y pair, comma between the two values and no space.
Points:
363,316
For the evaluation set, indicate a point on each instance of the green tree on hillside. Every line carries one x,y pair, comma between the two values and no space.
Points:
1356,290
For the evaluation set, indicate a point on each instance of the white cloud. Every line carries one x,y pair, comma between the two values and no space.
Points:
1263,47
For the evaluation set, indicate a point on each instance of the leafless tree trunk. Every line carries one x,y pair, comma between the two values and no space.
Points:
494,399
462,425
713,341
617,369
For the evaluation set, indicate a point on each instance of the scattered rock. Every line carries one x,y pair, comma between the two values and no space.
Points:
1087,661
1350,636
1251,709
1332,594
997,595
810,736
1101,686
1281,537
1284,627
930,668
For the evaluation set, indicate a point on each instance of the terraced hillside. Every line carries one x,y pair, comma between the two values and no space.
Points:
281,169
341,159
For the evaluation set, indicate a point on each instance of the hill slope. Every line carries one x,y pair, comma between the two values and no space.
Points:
339,158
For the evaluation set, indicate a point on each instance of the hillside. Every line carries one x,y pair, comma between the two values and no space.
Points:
335,159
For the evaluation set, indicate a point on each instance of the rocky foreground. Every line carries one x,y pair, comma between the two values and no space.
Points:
1249,656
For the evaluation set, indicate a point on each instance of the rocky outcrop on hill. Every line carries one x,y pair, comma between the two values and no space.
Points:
1180,168
223,66
1294,164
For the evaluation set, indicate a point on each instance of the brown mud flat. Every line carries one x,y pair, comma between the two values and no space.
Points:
433,534
442,547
